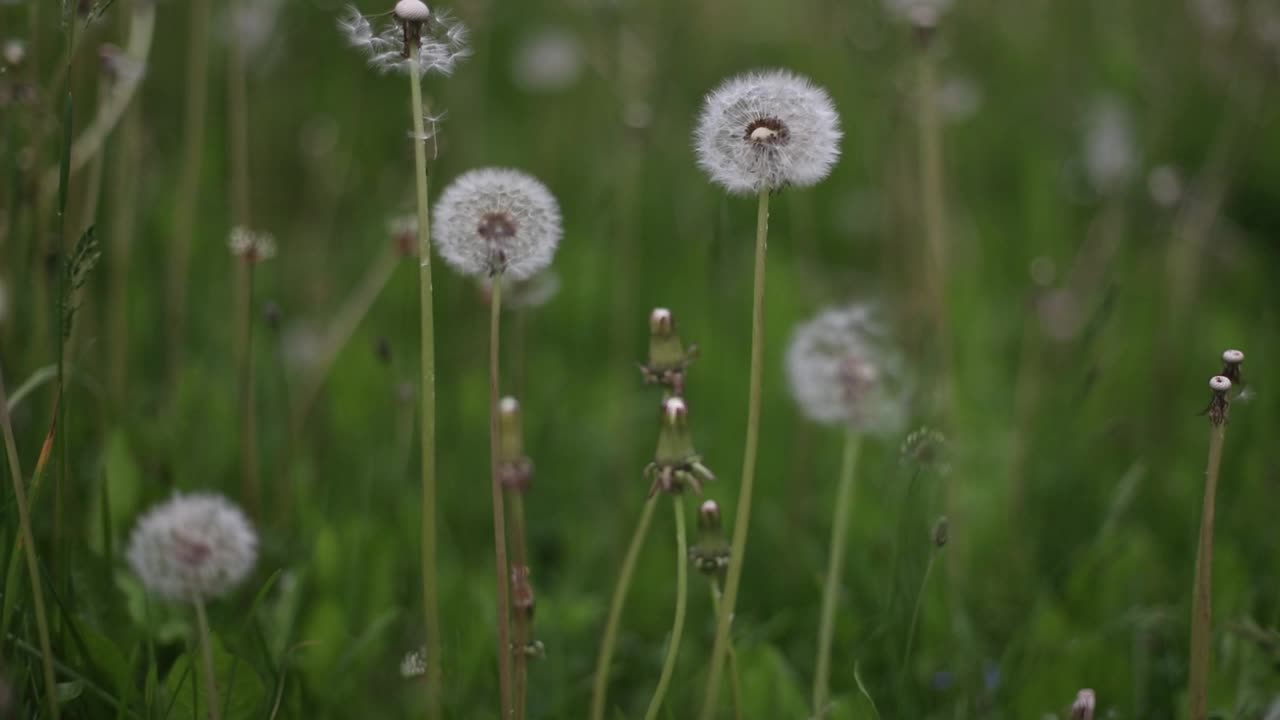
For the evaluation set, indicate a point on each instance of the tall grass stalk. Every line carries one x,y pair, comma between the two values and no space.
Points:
742,518
1202,610
238,120
499,514
600,685
735,686
915,612
677,624
29,545
835,568
250,489
430,606
188,192
206,661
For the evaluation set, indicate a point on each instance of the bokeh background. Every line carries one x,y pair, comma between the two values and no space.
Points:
1112,186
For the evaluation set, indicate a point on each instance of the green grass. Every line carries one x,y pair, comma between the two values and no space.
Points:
1076,465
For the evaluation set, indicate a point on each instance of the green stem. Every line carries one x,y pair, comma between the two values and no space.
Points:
600,686
520,558
29,545
206,661
499,514
430,606
251,492
238,110
742,519
677,625
835,567
735,687
1202,610
915,612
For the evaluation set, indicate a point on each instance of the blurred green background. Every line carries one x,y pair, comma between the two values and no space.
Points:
1112,183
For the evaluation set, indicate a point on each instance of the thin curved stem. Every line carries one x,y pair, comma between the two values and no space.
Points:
742,519
29,546
677,624
600,686
735,687
206,662
499,514
915,612
835,568
430,606
1202,599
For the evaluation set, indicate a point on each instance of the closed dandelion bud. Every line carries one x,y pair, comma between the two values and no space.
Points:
710,554
497,221
515,470
1220,402
676,463
766,131
668,357
193,547
843,368
1083,707
1231,362
941,532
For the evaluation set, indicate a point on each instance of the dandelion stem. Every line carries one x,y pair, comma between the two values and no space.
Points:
915,612
835,567
677,625
250,490
600,686
1202,611
206,660
520,559
499,515
734,685
431,609
742,518
29,543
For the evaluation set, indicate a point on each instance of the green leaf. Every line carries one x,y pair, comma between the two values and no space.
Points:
240,691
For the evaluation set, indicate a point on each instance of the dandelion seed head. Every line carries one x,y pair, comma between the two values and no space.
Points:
547,60
1083,707
766,131
252,245
414,663
194,546
438,41
497,221
843,368
15,51
1110,147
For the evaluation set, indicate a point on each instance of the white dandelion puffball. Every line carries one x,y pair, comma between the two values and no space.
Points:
497,221
767,130
1110,146
195,546
843,368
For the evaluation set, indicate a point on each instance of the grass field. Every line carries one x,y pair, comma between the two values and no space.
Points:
1108,203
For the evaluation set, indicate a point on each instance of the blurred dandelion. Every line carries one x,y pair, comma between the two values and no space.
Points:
194,546
531,292
251,245
1164,184
442,40
766,131
547,60
843,368
496,221
1110,147
1083,707
414,663
921,13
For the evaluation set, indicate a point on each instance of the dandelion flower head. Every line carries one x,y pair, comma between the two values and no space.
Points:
767,130
195,546
496,221
389,41
843,368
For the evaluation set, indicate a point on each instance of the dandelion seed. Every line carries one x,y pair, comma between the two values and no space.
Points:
193,547
414,663
1110,150
252,245
767,130
843,368
497,221
436,39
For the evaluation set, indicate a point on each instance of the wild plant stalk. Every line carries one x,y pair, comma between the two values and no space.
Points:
931,183
123,214
250,490
238,109
499,514
742,518
677,624
430,606
523,635
835,568
29,545
188,192
735,687
206,661
1202,610
600,685
915,612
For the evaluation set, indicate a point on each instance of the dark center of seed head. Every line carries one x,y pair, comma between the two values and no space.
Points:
767,131
496,227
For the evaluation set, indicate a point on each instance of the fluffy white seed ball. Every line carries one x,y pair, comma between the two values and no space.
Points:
197,546
767,130
497,221
843,368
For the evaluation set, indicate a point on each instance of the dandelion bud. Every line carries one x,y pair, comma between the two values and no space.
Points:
193,547
941,532
515,470
766,131
1231,362
710,554
496,221
709,516
1082,708
668,357
676,463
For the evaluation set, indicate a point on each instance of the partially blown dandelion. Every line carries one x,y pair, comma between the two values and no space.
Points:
496,221
843,369
436,39
766,131
193,546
